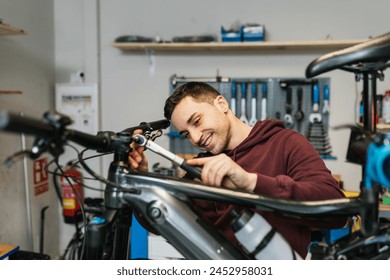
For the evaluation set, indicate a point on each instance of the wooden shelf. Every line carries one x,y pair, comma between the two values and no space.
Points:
383,127
10,92
6,29
237,47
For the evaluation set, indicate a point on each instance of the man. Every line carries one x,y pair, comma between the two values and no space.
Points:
267,159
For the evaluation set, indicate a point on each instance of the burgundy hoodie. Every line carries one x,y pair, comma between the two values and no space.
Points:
288,167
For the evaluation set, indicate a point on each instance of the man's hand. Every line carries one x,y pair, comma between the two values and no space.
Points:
221,170
137,159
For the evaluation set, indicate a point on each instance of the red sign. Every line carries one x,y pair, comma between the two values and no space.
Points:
41,177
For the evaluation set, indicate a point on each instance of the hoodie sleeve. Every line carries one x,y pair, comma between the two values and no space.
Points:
305,176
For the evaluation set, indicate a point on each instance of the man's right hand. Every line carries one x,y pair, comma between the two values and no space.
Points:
137,159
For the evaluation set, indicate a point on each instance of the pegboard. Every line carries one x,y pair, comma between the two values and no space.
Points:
277,92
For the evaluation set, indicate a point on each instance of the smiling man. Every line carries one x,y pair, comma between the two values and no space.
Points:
267,159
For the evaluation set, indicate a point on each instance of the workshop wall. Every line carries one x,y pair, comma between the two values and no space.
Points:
27,66
135,86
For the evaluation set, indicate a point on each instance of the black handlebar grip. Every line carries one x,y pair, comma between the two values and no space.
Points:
17,123
193,172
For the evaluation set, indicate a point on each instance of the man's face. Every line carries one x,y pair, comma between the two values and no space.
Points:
205,125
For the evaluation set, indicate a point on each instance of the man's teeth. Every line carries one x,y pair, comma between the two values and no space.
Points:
207,142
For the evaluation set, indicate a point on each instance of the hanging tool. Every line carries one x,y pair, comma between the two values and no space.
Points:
299,114
183,79
315,116
243,117
288,119
264,102
253,119
326,107
233,98
317,134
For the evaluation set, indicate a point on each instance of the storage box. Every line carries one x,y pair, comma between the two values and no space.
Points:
230,35
252,33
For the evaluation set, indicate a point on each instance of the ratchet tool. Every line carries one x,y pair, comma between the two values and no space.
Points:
192,171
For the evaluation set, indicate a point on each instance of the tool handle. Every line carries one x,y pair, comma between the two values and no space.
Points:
300,97
254,90
316,94
193,172
234,90
263,109
289,100
326,92
243,90
264,89
233,98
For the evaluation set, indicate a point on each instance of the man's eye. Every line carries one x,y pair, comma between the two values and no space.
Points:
197,122
185,134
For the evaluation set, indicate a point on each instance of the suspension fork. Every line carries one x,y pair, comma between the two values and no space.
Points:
107,236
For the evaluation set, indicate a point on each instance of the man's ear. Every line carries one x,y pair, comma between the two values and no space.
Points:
221,103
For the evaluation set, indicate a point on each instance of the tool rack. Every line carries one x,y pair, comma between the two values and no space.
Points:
281,95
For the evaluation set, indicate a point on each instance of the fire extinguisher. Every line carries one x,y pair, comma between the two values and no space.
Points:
72,183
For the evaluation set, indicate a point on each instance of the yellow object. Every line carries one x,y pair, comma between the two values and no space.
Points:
351,194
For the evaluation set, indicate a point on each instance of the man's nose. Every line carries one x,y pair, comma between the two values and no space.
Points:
195,136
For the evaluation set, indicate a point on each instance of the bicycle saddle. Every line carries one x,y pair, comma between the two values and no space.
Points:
370,55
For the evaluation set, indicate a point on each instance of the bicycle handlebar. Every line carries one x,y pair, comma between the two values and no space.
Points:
51,127
18,123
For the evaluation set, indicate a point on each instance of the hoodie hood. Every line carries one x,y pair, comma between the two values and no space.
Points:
260,133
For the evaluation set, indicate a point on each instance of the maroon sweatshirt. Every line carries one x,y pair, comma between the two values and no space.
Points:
288,167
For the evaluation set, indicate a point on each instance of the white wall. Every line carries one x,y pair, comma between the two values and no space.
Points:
27,64
128,83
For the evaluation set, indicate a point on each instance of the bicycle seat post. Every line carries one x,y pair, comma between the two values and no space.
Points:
369,98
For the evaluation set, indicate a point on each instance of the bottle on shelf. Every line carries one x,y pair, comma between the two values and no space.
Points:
386,107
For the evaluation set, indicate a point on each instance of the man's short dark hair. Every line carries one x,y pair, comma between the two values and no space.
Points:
199,91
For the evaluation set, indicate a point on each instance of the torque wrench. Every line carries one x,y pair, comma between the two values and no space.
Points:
192,171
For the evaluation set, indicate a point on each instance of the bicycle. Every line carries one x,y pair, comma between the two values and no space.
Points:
164,201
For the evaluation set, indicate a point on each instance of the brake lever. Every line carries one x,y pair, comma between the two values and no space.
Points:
192,171
153,136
